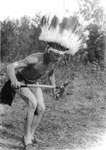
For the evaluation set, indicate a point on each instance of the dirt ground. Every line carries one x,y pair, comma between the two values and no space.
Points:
76,121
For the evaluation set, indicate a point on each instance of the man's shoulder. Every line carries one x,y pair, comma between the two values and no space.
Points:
33,58
39,54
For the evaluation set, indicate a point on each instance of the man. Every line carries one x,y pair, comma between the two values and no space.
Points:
29,70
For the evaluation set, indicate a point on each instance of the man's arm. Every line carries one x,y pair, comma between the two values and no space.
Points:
11,72
11,69
52,81
51,77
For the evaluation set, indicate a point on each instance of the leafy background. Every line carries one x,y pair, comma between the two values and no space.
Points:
79,119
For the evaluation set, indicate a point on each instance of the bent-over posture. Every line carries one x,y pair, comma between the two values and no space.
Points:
29,70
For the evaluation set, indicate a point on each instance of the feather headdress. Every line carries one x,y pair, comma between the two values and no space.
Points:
64,35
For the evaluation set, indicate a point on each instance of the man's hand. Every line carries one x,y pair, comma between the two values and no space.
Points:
58,91
55,94
15,84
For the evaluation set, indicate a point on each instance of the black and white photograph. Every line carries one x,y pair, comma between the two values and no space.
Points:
53,75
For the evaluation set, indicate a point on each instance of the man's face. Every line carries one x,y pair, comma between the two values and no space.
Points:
56,54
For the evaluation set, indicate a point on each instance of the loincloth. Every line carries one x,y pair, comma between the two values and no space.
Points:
7,93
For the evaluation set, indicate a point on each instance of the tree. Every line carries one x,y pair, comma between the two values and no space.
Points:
8,35
95,21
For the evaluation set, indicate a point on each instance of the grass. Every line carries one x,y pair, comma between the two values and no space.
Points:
75,121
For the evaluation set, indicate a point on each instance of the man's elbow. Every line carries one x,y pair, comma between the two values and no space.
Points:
9,67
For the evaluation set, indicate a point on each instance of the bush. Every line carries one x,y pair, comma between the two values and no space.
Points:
19,39
96,45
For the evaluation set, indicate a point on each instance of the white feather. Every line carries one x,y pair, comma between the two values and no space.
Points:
66,38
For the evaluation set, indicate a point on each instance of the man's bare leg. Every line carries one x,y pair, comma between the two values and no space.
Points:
31,101
40,110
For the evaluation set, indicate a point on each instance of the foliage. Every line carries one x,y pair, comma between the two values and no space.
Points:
95,21
92,11
19,39
7,38
96,44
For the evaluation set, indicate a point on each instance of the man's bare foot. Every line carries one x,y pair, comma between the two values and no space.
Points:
26,142
35,140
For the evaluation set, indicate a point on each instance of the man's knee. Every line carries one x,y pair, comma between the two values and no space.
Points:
43,108
40,109
32,105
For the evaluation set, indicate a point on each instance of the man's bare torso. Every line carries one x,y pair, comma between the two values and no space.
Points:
35,67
